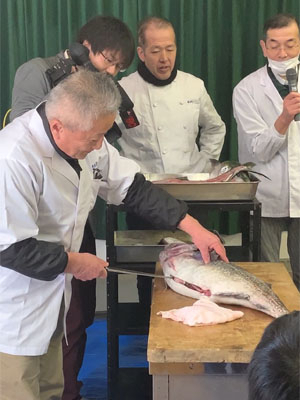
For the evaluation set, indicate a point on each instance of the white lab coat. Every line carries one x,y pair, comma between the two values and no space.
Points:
257,104
170,116
42,197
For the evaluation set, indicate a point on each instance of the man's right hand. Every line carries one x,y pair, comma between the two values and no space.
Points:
291,107
86,266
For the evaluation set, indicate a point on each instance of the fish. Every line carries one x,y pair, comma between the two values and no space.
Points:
219,168
224,177
202,312
221,282
227,171
232,171
229,175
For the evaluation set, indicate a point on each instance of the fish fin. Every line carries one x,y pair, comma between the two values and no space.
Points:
259,173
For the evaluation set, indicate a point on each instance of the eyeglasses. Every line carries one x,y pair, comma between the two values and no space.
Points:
288,48
110,62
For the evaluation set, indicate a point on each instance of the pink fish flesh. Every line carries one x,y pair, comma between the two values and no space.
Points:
225,177
202,312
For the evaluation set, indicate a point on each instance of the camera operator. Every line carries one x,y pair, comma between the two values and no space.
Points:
111,49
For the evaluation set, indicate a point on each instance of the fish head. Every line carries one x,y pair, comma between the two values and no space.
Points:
226,167
175,250
221,168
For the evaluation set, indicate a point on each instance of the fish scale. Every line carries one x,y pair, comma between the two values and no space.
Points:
224,282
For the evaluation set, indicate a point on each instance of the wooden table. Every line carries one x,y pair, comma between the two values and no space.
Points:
177,353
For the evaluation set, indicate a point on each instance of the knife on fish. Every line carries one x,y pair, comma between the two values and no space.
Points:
132,272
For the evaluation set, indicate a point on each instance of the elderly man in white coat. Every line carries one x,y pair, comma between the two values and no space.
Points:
269,136
54,161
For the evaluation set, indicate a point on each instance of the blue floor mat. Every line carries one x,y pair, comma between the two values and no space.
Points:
93,372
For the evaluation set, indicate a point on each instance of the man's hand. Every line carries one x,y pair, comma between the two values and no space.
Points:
86,266
205,240
291,107
208,241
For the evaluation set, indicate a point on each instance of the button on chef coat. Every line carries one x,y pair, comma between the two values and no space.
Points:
47,201
170,117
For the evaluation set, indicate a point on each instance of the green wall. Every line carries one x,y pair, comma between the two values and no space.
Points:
218,40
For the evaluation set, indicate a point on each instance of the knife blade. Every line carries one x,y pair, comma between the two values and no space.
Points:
132,272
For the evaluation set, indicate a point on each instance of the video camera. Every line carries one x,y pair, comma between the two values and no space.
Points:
79,55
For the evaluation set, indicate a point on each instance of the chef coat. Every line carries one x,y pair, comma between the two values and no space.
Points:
170,117
42,197
257,104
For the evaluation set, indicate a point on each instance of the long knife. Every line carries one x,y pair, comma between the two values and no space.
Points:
132,272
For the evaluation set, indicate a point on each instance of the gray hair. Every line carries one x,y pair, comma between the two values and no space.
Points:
81,98
157,22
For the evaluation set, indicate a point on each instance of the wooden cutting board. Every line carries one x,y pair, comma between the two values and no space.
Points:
174,342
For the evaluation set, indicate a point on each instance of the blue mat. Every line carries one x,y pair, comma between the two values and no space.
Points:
93,372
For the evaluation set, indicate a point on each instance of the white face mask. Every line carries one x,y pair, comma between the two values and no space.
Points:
279,68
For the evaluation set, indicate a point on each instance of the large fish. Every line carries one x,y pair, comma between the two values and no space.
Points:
221,282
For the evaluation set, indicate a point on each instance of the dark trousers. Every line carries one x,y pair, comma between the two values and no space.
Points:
80,316
271,229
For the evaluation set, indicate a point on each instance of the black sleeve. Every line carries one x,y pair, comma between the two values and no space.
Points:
154,204
35,258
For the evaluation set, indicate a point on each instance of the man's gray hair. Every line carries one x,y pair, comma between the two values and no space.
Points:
82,98
158,22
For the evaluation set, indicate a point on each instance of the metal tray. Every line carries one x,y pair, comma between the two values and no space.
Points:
206,191
143,246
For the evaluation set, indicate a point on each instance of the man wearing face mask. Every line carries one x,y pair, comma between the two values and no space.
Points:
269,136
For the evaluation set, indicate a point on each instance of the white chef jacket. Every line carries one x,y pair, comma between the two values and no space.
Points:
170,117
41,196
257,104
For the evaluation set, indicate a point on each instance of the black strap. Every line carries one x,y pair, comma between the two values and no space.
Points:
150,78
283,90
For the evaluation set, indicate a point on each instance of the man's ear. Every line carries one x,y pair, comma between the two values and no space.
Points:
87,44
263,47
56,128
141,54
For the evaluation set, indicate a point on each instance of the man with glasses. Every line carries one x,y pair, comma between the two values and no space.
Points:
269,136
110,62
111,49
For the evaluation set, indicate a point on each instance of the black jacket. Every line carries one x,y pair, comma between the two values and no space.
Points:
45,261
